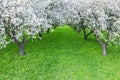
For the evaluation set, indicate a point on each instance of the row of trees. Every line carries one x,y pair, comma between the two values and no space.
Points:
21,20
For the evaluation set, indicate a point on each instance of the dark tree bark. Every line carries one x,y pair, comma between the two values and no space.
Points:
48,31
85,37
85,33
55,26
40,34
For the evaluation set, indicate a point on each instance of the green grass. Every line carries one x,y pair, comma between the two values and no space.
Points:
61,55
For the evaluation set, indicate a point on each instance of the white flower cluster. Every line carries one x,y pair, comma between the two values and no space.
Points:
20,18
29,17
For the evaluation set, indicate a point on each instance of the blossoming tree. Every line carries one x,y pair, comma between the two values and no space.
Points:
20,21
102,19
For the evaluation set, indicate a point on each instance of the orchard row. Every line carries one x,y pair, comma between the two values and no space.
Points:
21,20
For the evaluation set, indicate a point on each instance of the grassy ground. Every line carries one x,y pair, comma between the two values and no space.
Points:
61,55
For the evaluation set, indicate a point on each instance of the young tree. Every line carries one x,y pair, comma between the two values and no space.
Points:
101,18
20,21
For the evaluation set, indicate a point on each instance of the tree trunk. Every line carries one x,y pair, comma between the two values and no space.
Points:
104,48
40,35
55,26
21,46
48,31
21,49
104,45
85,37
86,34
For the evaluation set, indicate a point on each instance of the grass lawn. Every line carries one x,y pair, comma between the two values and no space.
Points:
60,55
